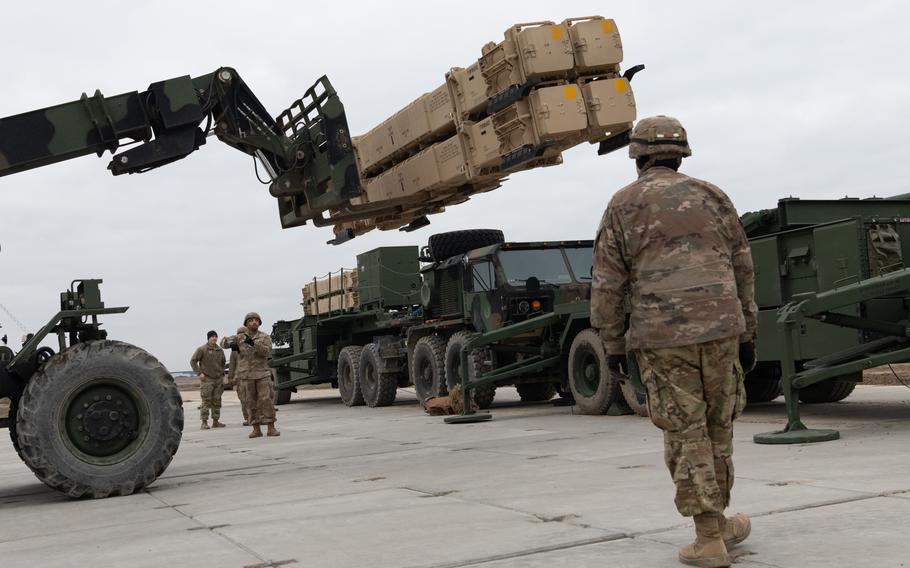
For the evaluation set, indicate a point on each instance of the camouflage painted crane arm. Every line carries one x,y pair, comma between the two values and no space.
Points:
306,150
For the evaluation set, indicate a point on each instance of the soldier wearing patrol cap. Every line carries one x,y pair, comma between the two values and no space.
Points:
254,348
675,246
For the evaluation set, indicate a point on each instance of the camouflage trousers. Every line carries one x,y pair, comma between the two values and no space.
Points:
211,390
262,406
240,387
695,392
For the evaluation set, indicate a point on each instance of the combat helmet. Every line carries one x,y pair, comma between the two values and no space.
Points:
659,137
252,315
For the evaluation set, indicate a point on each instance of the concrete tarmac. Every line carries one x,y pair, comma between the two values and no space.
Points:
535,487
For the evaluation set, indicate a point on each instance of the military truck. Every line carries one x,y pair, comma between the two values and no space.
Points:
405,324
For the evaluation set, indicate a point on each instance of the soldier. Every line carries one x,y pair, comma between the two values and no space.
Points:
674,244
208,362
253,370
239,386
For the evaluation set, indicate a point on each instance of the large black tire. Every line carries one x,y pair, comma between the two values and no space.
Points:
761,389
592,385
13,431
483,395
282,396
826,391
349,376
428,372
453,243
536,392
100,419
378,388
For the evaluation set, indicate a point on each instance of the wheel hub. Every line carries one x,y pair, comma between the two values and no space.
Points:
101,420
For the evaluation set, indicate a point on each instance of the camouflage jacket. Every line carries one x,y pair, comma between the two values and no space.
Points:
208,360
252,360
232,368
676,245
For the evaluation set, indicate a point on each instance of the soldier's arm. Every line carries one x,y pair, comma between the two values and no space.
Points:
741,258
609,280
262,345
194,361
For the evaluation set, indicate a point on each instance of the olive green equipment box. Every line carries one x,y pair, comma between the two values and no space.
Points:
832,291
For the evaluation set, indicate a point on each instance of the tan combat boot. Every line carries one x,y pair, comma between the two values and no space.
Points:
216,423
708,550
205,425
735,529
257,431
273,431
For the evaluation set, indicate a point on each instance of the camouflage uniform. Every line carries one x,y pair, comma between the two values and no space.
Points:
674,244
253,370
239,386
208,361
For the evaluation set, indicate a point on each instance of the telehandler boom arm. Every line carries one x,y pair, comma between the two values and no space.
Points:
306,151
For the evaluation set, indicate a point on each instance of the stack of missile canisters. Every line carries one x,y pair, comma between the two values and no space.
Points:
543,89
336,292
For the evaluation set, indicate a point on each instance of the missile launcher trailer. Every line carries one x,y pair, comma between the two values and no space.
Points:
834,299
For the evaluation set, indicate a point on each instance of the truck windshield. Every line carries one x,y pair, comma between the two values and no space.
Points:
547,265
581,260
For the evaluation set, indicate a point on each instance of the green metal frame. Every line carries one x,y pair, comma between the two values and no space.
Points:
820,306
563,315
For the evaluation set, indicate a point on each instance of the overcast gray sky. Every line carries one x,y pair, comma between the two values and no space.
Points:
780,98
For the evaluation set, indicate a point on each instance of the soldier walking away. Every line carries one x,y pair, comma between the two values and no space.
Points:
208,362
253,369
675,245
239,386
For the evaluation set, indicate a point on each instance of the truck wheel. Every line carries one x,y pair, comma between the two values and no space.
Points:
637,401
592,386
102,418
536,392
453,243
282,396
349,375
761,389
12,429
826,391
378,388
428,367
484,394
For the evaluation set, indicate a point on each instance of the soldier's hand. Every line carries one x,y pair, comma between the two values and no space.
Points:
617,364
747,355
234,346
249,341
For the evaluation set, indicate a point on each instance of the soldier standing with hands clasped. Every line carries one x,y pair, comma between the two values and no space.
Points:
675,245
208,362
254,348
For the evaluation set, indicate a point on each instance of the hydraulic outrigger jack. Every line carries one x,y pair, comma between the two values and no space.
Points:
891,347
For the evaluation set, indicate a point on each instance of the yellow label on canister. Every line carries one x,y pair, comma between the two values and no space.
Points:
556,32
571,92
621,85
608,26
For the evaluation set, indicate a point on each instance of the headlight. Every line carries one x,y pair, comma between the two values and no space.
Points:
524,306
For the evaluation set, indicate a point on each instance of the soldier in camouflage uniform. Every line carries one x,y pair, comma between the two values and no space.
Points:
239,386
674,246
208,362
253,370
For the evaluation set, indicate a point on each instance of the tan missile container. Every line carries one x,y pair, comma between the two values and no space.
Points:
544,88
335,292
